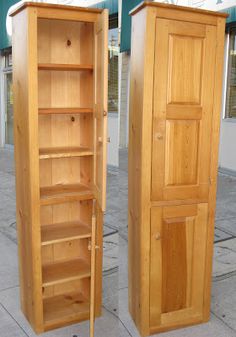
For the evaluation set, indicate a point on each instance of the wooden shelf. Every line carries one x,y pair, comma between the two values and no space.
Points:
61,309
64,152
64,193
60,272
65,67
65,231
46,111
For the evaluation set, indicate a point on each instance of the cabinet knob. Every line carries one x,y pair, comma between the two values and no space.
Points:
158,136
158,236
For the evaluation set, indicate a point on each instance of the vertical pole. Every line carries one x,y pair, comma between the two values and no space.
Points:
93,267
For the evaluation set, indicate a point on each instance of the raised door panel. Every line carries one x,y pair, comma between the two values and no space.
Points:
183,105
100,108
177,269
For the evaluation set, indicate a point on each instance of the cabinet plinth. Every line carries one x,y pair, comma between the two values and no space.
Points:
175,102
60,94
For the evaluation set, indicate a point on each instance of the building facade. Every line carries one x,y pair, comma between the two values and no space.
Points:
227,157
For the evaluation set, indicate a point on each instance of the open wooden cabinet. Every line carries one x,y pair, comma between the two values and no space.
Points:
60,117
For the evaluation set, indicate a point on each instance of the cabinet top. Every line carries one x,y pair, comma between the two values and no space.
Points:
53,6
176,7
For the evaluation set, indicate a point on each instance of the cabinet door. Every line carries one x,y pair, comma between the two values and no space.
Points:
100,108
182,107
177,269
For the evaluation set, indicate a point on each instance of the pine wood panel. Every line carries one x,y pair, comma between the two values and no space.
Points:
64,152
179,271
27,171
60,272
182,144
60,232
100,108
66,308
65,67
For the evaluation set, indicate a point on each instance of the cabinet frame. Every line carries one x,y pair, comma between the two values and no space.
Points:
27,155
140,156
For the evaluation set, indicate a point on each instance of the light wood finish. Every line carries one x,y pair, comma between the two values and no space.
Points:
60,113
65,110
64,193
63,152
64,231
60,309
65,67
60,272
92,279
176,75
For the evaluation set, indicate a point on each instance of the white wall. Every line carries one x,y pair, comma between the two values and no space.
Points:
113,134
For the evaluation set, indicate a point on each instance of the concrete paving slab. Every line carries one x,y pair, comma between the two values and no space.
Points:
8,263
8,326
110,252
221,235
224,258
224,300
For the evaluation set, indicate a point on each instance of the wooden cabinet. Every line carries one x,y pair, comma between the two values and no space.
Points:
60,117
175,104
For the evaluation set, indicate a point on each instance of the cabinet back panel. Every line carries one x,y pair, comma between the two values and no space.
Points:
65,251
65,89
67,212
65,131
66,171
65,42
82,286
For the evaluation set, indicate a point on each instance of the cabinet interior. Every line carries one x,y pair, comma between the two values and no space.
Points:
66,159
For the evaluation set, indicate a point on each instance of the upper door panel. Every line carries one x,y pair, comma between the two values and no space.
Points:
182,109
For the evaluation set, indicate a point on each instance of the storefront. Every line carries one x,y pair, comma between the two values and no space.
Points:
227,158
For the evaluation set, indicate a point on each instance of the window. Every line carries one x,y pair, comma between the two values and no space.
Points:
113,71
231,87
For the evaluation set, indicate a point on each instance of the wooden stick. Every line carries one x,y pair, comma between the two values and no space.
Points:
92,281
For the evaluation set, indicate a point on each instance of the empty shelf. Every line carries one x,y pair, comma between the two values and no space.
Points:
60,272
46,111
64,152
62,193
61,309
64,232
65,67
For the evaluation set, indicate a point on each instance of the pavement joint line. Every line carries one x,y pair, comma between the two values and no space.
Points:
2,290
110,271
123,288
226,239
117,316
220,318
22,329
224,276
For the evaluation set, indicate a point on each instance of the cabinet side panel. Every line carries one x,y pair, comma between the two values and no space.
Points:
140,130
214,162
134,166
26,159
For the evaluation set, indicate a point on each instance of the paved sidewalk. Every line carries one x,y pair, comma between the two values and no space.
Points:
115,287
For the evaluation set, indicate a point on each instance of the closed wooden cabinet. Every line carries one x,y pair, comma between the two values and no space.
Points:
60,121
175,103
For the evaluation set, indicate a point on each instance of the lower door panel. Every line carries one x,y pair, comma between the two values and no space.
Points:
177,270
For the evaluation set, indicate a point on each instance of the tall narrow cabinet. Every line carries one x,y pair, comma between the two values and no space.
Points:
60,121
175,102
